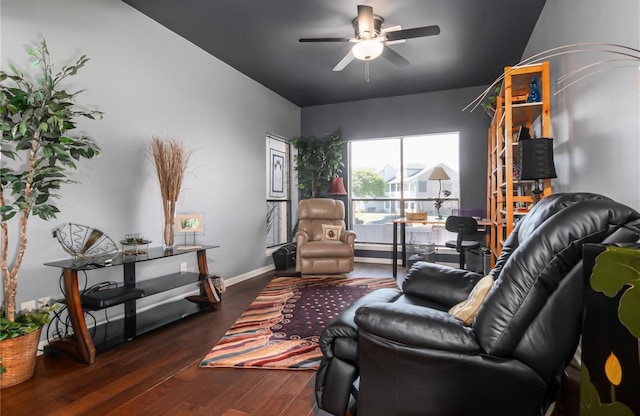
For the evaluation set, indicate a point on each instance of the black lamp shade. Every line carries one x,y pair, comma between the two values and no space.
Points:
536,159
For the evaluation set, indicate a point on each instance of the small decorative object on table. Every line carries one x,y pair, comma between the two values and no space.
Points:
189,224
136,241
417,216
87,244
416,213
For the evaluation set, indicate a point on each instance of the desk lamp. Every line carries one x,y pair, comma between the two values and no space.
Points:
439,174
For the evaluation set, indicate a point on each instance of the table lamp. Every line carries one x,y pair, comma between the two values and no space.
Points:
536,162
337,187
439,174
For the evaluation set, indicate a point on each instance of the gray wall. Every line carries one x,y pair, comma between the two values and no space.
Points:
407,115
149,81
595,122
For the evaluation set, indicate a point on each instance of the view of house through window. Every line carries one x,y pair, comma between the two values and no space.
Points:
392,177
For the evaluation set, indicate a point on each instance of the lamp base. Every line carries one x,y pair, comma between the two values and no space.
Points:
536,193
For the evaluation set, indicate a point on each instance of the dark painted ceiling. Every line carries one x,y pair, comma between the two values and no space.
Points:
260,39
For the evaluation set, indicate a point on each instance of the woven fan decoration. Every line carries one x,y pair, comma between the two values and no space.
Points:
86,243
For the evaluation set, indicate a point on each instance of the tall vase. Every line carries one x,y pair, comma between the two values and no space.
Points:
168,241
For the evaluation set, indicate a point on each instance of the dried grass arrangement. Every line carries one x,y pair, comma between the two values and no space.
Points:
170,160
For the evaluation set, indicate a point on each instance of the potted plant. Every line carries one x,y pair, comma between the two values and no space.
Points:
318,160
489,103
37,119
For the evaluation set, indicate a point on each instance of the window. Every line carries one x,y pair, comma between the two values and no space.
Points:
390,177
278,208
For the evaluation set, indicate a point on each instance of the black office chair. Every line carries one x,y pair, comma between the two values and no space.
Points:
464,226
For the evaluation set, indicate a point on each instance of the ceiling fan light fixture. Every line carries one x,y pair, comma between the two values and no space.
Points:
368,49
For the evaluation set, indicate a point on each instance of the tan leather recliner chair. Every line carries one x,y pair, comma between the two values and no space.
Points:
324,245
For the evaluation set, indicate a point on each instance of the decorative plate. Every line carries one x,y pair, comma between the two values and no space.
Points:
86,243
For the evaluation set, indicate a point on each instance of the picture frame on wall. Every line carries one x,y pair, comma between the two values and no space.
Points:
278,171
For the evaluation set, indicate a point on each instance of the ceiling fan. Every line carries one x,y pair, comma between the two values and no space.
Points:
372,40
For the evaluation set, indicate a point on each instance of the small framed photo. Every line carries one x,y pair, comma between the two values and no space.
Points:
190,223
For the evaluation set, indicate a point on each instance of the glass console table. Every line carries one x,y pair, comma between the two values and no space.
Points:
81,344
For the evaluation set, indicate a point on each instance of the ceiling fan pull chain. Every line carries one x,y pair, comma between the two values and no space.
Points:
366,70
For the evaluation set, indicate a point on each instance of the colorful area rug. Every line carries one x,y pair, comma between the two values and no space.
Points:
281,328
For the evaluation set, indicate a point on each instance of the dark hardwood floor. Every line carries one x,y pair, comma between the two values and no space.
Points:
158,373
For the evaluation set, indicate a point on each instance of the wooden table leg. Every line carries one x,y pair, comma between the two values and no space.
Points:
404,244
206,291
394,251
80,344
203,267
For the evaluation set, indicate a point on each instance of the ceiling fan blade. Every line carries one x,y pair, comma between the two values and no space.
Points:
391,29
394,57
344,62
416,32
324,40
365,21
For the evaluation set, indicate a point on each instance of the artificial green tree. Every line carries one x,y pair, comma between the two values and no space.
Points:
37,120
318,161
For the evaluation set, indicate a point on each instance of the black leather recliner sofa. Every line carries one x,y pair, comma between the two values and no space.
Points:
413,358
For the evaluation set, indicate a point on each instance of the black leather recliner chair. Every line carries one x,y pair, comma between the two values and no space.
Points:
413,358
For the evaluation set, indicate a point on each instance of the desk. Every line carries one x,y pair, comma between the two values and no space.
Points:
482,224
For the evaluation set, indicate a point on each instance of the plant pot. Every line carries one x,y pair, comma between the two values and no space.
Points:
19,358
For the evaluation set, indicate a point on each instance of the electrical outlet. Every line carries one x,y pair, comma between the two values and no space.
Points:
183,267
44,302
29,305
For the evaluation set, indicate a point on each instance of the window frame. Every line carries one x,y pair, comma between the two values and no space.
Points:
276,145
401,188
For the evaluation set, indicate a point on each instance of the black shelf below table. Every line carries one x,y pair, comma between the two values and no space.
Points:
111,334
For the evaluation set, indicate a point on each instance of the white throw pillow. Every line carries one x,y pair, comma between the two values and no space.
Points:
331,232
467,310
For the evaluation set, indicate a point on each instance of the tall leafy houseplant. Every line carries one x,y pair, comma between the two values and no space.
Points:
318,160
37,120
